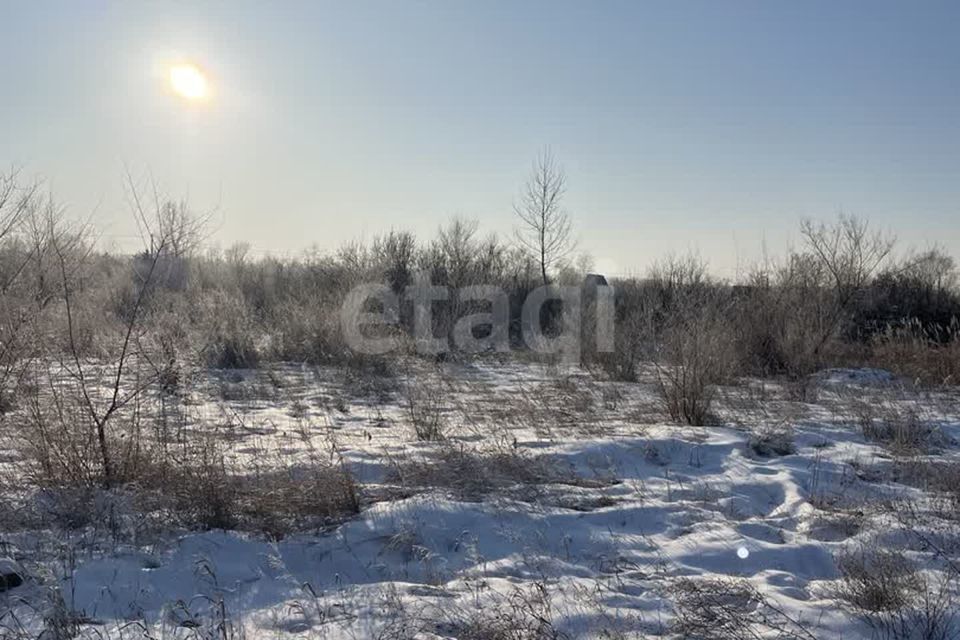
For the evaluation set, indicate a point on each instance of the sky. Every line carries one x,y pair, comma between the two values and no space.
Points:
712,127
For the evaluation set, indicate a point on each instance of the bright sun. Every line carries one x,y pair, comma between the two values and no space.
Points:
189,82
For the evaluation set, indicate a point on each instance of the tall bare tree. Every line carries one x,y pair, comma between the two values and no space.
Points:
850,252
544,230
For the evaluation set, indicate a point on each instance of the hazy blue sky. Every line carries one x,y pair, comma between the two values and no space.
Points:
711,126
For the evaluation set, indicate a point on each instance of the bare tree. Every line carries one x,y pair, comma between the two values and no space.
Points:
160,220
934,271
849,250
14,201
395,253
545,226
106,389
455,251
16,254
694,339
850,253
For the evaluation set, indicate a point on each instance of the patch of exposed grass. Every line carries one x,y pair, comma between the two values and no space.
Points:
472,473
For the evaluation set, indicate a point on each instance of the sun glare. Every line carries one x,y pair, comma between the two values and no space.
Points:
189,82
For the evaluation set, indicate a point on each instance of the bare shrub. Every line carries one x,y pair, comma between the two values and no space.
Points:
425,409
919,295
60,442
522,614
473,473
851,253
102,392
937,476
562,403
26,221
889,593
696,345
932,520
878,580
201,491
307,332
781,323
793,317
298,497
772,440
720,609
187,478
228,334
634,309
837,525
899,428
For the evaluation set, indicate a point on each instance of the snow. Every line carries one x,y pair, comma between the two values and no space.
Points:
657,502
862,376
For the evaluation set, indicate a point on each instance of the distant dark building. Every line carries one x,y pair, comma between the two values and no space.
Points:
594,280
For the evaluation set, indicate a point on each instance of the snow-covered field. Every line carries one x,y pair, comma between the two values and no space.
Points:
557,506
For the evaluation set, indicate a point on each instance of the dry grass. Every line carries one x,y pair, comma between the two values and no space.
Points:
522,614
426,409
472,473
929,359
900,427
192,486
876,580
774,440
890,593
729,609
199,490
